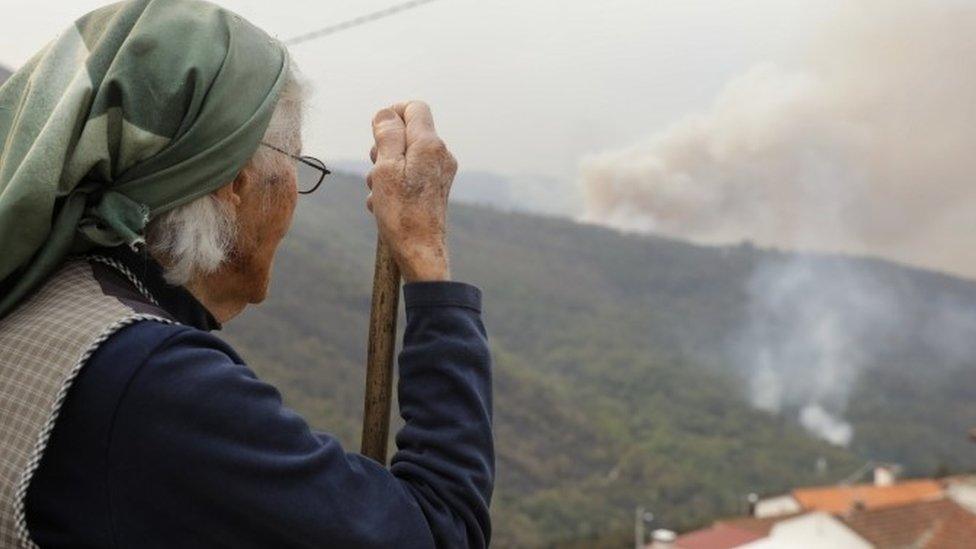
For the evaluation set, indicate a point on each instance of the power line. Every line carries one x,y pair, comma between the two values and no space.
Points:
361,20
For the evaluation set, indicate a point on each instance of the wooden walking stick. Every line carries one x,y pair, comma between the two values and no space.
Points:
379,353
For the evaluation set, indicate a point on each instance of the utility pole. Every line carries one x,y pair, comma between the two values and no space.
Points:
639,528
640,518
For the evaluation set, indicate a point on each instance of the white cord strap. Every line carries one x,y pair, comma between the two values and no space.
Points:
124,271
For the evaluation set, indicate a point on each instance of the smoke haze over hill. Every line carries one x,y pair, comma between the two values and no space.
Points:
865,148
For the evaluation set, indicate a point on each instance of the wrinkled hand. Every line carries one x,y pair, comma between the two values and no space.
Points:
409,185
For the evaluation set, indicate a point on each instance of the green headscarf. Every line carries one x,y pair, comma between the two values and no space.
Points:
139,107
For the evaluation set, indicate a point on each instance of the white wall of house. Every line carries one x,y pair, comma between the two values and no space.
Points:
810,531
777,506
963,492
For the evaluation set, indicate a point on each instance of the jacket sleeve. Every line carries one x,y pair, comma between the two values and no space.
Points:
201,449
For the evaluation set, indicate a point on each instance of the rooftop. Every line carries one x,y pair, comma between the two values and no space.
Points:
761,526
721,535
841,499
926,524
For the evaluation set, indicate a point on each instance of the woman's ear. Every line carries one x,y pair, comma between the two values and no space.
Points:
232,193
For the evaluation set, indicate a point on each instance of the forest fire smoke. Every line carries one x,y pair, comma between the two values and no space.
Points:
865,148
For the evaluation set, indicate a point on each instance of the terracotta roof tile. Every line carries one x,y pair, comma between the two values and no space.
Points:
760,526
717,536
841,499
959,530
930,524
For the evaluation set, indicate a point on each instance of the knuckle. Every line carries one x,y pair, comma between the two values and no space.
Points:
432,144
383,170
385,132
435,151
451,164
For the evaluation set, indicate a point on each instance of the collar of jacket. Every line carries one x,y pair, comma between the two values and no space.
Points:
175,300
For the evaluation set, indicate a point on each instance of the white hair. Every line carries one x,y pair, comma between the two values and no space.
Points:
198,237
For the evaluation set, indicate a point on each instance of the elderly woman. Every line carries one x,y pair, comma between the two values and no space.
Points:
147,176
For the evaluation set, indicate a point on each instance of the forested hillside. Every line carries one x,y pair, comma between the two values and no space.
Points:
611,389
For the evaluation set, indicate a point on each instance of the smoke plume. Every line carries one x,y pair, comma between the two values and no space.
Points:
814,326
866,147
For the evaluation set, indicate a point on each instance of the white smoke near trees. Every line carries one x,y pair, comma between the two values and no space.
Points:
814,326
826,425
869,147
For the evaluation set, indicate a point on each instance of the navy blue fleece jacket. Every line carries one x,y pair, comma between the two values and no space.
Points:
167,439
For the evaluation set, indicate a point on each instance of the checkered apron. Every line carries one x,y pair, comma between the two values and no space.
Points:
44,343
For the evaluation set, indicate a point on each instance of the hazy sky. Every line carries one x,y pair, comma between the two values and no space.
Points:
517,86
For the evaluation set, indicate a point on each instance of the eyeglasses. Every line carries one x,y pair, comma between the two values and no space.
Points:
311,170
